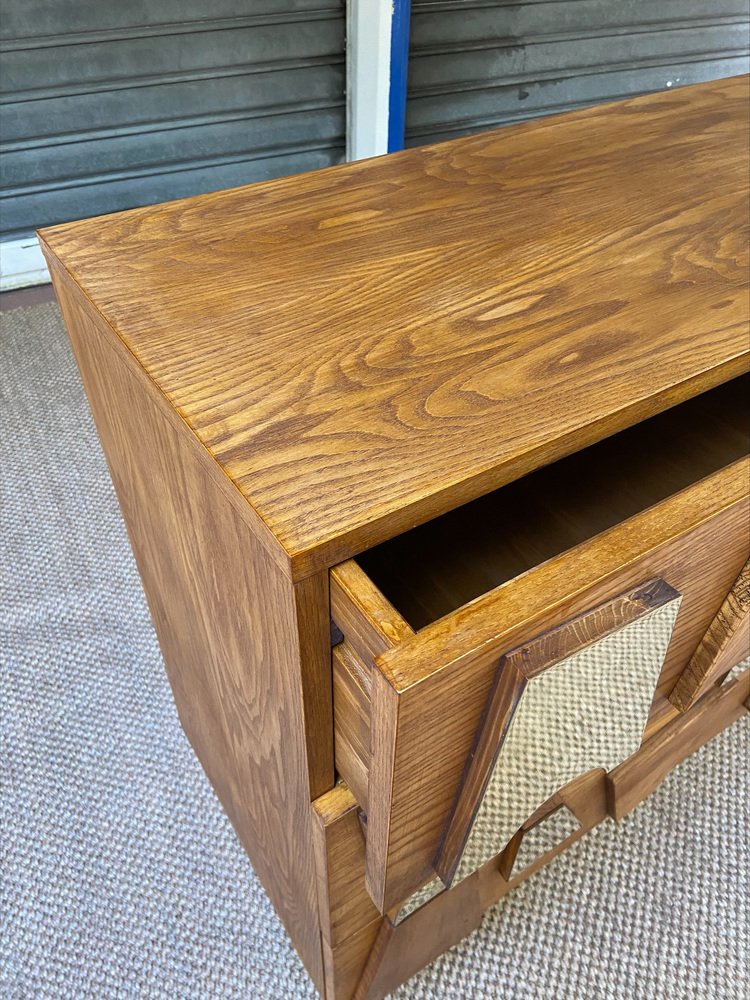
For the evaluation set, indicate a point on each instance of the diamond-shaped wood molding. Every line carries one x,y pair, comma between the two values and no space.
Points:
726,642
573,699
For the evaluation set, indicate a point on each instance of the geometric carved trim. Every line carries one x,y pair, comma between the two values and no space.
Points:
402,950
536,839
571,700
418,899
726,643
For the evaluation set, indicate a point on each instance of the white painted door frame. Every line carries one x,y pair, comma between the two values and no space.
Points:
376,68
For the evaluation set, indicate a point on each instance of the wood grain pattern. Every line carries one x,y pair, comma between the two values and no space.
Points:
436,568
366,347
368,620
632,781
401,951
568,638
515,670
286,374
505,695
726,643
345,964
311,598
352,684
339,852
230,624
348,919
429,692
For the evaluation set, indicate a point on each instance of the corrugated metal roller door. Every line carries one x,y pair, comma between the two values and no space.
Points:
476,64
110,105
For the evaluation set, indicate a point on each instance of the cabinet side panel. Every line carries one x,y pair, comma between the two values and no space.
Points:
226,618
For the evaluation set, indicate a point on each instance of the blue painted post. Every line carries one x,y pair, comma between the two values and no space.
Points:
399,73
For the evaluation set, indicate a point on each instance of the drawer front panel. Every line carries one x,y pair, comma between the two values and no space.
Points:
574,700
429,691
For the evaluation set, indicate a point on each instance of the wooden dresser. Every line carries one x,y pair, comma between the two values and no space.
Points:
435,467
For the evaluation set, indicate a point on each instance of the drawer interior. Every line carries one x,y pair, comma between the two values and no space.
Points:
436,568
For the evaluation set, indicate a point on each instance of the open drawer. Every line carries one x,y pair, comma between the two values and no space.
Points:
630,545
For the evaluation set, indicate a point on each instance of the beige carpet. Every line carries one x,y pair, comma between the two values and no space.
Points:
120,876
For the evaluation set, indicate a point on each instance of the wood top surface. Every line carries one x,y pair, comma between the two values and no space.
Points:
364,347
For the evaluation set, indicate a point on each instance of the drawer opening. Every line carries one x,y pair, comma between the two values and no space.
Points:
436,568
